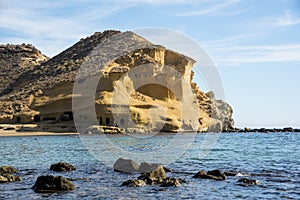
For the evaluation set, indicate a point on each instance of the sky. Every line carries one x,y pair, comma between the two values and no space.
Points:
254,44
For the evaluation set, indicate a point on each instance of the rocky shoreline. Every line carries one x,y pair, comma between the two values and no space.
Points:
29,130
263,130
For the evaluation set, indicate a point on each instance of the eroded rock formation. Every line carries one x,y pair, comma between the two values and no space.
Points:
141,86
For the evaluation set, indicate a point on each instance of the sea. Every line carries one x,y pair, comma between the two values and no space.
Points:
271,158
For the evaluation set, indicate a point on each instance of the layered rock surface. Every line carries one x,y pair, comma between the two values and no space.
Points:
141,86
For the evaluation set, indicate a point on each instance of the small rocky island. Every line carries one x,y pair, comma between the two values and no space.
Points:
39,90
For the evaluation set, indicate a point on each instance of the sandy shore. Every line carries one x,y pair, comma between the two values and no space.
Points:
10,133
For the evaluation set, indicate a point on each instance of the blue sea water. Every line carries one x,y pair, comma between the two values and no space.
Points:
271,158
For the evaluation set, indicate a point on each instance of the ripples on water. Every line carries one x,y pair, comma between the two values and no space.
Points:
273,159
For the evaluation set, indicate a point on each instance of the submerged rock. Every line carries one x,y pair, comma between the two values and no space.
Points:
62,167
134,183
126,165
248,181
172,182
154,177
51,184
231,173
214,174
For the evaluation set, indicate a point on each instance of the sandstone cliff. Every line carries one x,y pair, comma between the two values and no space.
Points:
146,87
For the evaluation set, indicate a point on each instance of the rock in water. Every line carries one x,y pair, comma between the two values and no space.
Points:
3,179
214,174
126,165
171,182
51,184
8,170
134,183
231,173
217,174
62,167
154,177
248,181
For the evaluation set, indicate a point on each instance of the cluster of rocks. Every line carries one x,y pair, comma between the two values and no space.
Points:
130,166
6,174
45,183
154,174
50,183
264,130
151,174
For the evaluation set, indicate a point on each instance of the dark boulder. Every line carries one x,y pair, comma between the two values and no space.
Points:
214,174
8,170
126,165
62,167
248,181
134,183
51,184
154,177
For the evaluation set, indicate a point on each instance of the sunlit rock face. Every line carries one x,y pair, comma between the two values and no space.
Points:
119,78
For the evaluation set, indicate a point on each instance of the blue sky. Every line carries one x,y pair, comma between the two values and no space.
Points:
254,44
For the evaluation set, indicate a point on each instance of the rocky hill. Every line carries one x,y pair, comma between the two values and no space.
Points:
44,92
16,60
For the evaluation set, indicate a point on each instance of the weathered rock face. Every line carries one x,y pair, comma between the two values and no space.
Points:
143,87
50,184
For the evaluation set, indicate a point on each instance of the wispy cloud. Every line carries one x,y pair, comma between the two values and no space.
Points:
52,25
289,19
235,55
209,10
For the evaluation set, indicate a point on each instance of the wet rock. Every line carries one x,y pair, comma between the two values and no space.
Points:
248,181
147,167
214,174
154,177
9,178
172,182
3,179
62,167
126,165
134,183
51,184
231,173
8,170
